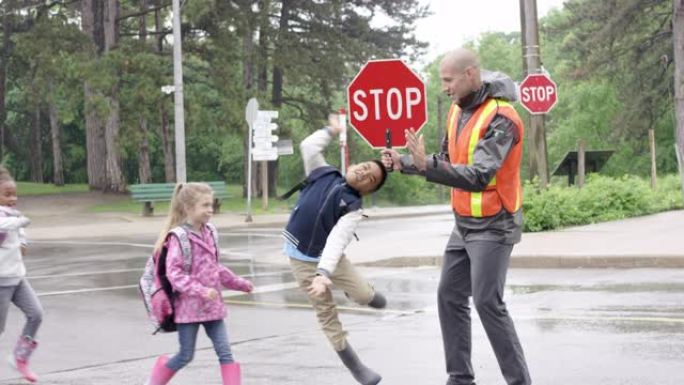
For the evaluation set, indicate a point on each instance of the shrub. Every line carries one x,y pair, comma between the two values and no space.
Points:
602,199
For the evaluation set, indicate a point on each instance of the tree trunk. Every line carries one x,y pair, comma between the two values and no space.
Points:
278,79
167,144
264,33
144,168
167,147
95,144
56,134
110,25
115,181
283,26
4,57
142,27
98,19
158,26
248,62
36,148
91,21
678,40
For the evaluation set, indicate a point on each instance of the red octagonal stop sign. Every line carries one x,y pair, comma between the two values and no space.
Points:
386,94
538,93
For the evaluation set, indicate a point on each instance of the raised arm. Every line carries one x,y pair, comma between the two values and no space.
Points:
313,146
312,149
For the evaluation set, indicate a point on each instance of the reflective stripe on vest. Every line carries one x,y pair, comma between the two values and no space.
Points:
462,151
476,197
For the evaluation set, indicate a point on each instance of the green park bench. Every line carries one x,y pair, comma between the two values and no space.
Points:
161,192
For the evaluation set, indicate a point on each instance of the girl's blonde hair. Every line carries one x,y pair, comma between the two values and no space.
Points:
185,194
5,175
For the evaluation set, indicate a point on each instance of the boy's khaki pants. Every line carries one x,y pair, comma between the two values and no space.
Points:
344,277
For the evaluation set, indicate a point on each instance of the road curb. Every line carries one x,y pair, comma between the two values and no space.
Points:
371,217
148,227
553,262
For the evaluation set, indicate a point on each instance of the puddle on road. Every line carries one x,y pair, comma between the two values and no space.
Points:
611,288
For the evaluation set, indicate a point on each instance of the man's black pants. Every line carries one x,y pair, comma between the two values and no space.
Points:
478,269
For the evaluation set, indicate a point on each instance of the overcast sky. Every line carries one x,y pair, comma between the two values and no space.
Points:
454,22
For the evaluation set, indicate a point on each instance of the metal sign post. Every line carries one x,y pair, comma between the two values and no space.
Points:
250,115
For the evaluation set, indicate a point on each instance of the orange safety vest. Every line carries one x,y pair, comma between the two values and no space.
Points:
504,190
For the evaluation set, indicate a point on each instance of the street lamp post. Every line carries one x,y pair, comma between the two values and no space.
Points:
179,115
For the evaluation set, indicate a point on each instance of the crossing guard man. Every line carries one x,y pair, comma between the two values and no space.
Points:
480,160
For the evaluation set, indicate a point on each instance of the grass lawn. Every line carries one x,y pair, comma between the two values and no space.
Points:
29,188
235,203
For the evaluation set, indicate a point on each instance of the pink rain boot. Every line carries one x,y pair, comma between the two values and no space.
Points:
22,352
161,374
231,374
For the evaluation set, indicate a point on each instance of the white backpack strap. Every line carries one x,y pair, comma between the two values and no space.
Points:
184,241
214,235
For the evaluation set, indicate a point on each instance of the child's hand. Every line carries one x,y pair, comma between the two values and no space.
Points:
24,250
211,294
249,286
334,124
24,221
319,285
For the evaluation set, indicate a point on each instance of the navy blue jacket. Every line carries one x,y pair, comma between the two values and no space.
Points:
322,202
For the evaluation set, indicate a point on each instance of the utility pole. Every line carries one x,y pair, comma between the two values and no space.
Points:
532,65
179,114
678,43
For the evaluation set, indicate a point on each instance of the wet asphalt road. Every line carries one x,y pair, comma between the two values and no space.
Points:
577,326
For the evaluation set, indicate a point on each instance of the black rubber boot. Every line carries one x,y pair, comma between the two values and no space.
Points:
360,372
378,302
453,381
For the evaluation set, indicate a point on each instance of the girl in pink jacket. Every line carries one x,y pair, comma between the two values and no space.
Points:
197,300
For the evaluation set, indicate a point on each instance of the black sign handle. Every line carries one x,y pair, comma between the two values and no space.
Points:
388,145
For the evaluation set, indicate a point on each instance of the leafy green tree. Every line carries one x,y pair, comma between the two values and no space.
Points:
616,56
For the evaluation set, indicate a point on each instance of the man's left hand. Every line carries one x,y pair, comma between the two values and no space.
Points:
416,146
319,285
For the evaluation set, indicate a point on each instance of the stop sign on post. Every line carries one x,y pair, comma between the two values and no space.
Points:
538,93
386,94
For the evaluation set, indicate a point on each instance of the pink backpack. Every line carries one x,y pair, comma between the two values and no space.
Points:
155,288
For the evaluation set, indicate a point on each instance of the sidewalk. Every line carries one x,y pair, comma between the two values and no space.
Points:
53,226
649,241
642,242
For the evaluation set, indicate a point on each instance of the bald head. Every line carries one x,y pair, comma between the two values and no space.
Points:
460,59
459,71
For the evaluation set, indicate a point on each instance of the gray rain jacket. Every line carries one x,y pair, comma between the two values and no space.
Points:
490,153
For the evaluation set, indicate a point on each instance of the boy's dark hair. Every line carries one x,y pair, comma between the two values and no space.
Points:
383,178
